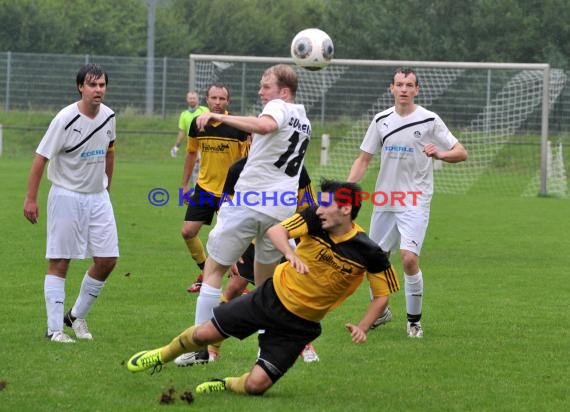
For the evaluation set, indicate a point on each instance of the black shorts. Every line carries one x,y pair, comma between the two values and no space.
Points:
202,206
246,268
283,335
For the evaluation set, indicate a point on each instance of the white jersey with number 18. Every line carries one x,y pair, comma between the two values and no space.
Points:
270,178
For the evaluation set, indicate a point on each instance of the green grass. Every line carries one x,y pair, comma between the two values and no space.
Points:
495,314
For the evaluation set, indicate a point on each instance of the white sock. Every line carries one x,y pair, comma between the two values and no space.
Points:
414,288
54,293
208,299
90,290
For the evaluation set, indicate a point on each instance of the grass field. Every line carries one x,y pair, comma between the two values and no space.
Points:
495,314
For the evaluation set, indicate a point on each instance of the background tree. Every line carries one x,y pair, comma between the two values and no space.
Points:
527,31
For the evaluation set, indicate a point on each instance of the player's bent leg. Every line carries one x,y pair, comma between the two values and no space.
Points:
234,288
102,267
257,382
191,340
192,346
214,272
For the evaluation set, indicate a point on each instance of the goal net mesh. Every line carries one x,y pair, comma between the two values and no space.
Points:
494,112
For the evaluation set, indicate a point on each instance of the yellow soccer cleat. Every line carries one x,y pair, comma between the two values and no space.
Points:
144,360
213,385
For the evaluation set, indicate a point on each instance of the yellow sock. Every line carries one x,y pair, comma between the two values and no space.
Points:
181,344
237,385
196,249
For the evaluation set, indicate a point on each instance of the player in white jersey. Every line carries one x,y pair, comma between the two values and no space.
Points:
408,137
266,191
79,146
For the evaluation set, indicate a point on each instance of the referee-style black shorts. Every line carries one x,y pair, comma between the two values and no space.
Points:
282,335
202,206
246,268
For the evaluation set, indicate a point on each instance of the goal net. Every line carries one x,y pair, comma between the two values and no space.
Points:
496,110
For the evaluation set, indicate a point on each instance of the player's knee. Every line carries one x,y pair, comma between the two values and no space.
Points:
206,333
107,264
257,385
188,232
410,262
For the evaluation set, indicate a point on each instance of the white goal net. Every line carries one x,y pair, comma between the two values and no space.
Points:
500,112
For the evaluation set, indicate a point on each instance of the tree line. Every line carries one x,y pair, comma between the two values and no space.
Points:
523,31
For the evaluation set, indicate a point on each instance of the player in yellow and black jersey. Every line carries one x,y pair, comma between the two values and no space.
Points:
241,274
331,260
219,145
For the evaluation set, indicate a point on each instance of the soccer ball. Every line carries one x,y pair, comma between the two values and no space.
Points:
312,49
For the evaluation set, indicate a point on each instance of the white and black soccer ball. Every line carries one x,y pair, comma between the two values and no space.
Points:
312,49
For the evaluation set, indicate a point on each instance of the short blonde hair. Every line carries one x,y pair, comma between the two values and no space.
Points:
285,76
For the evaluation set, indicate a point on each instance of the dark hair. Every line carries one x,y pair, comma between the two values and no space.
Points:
90,70
285,76
218,85
344,194
405,71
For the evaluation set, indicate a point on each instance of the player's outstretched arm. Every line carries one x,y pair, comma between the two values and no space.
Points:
280,238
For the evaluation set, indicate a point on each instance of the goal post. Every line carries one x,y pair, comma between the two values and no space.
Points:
499,111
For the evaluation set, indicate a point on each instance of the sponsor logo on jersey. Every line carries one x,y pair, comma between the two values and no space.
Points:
328,258
222,147
405,149
93,153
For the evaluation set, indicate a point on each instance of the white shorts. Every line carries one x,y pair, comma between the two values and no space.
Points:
80,225
400,230
235,228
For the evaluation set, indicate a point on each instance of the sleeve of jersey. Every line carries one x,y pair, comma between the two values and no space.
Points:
444,138
277,110
302,223
384,283
192,146
50,143
381,274
372,140
181,122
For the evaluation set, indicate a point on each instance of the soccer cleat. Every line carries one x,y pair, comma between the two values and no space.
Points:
174,151
384,319
195,287
144,360
213,385
193,358
309,354
415,330
60,337
79,326
213,355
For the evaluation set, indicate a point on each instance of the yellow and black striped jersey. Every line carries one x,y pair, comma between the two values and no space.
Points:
337,266
220,145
